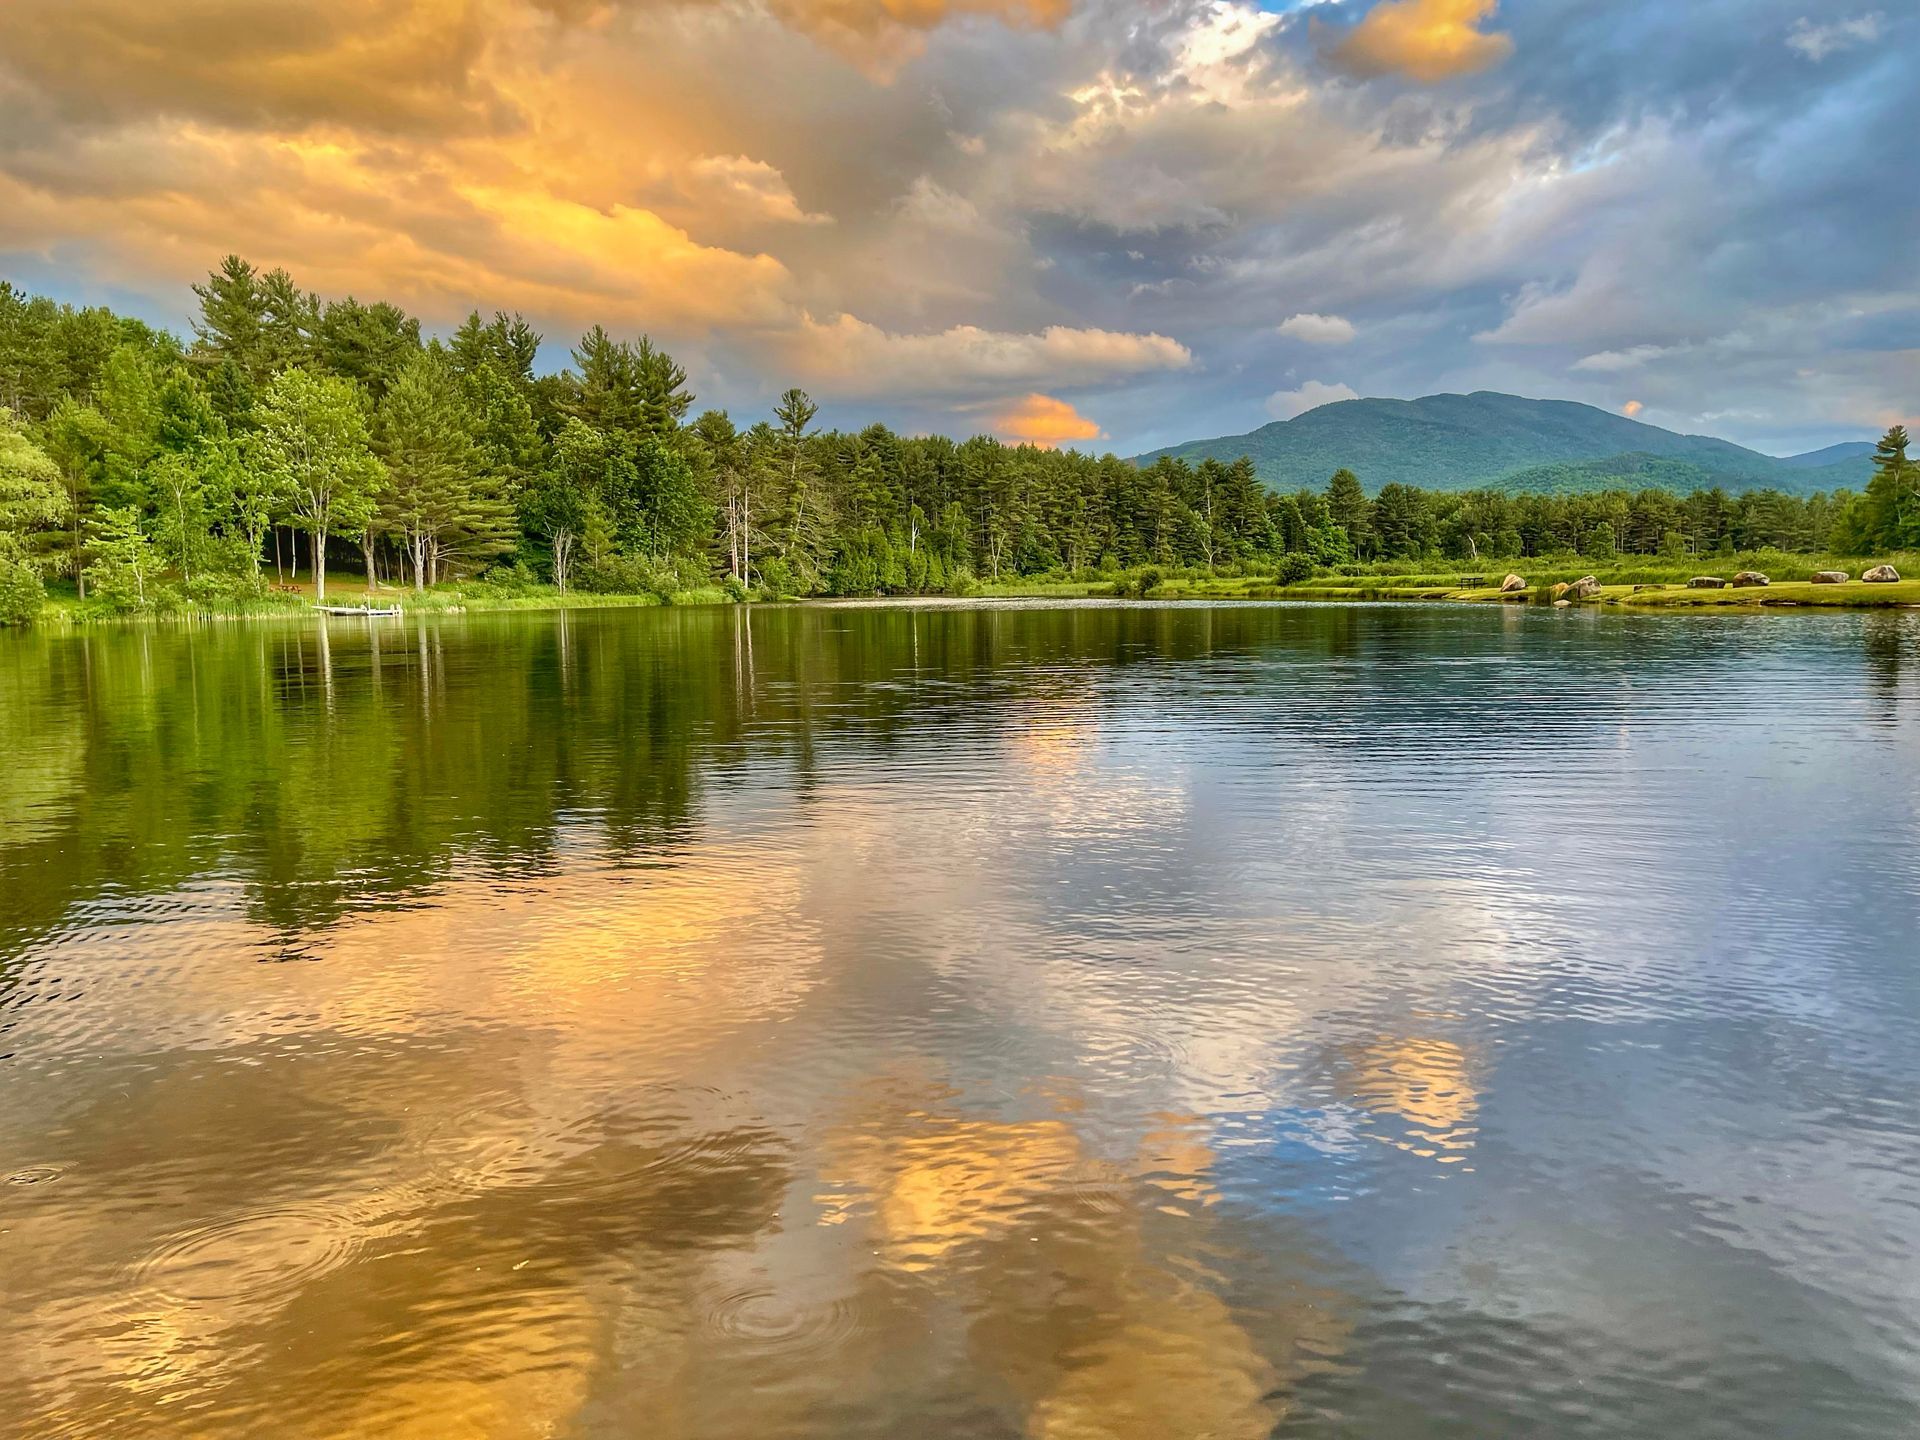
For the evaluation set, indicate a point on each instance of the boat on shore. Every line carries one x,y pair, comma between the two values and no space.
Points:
368,610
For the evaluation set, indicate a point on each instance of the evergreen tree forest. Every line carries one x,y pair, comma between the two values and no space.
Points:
294,436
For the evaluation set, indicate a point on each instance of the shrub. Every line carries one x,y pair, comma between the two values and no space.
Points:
1293,568
22,595
632,575
514,579
224,590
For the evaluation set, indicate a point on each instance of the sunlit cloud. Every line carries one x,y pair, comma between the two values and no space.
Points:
1042,420
1425,40
1319,329
1286,404
1632,408
849,353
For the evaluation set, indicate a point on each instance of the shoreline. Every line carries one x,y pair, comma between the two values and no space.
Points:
65,613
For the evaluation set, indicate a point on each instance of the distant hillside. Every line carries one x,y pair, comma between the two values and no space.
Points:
1460,442
1833,455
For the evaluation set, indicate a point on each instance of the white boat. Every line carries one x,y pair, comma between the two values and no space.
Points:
356,610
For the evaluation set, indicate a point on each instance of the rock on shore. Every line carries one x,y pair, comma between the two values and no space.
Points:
1512,585
1706,582
1831,577
1881,575
1746,579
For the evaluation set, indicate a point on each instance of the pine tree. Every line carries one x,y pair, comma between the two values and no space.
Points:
436,494
1892,501
233,318
1347,507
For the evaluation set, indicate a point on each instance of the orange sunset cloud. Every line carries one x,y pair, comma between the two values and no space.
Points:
1044,421
1426,40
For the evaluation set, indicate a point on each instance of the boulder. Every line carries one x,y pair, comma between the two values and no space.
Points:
1638,588
1561,604
1706,582
1746,579
1585,588
1512,585
1831,577
1881,575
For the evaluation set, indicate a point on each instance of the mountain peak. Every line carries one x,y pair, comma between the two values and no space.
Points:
1461,442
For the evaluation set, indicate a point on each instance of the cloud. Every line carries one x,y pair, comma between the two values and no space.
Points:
1042,420
397,67
1425,40
1632,408
1611,362
1014,197
1816,41
752,185
848,354
1319,329
1286,404
888,29
415,227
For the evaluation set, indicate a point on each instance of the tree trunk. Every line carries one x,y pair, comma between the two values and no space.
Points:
317,542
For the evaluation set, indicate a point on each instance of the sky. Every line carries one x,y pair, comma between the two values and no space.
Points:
1083,222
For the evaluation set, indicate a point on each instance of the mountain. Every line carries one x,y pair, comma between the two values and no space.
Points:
1831,456
1461,442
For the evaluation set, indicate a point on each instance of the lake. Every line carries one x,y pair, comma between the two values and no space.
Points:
1092,1022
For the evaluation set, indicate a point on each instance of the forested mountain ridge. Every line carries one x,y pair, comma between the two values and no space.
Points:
1491,440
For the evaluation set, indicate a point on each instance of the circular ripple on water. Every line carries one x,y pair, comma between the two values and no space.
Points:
35,1175
762,1319
263,1255
1129,1052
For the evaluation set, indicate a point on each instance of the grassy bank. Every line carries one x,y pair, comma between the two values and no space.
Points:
1637,581
1634,582
296,596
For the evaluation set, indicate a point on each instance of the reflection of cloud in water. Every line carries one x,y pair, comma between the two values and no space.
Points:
409,1158
1104,1330
1426,1083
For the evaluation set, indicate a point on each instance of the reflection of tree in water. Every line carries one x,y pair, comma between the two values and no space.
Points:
1885,638
332,768
328,777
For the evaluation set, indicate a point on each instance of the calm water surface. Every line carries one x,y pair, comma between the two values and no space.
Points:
1094,1023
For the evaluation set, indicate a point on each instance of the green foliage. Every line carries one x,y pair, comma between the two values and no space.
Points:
442,494
1889,513
1293,568
22,592
312,445
657,575
121,573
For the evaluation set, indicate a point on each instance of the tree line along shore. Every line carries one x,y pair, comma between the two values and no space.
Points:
292,449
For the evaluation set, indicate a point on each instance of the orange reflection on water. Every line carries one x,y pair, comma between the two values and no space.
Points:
1426,1082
